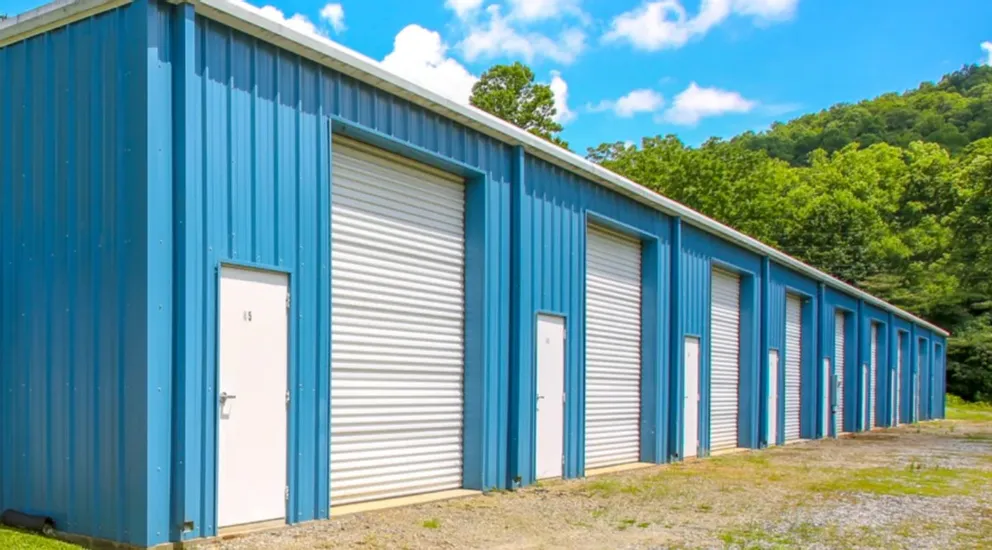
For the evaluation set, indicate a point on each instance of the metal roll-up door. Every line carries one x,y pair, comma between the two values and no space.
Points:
840,363
613,348
397,326
873,376
899,381
725,344
793,366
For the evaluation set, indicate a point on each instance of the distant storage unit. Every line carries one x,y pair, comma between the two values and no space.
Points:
251,278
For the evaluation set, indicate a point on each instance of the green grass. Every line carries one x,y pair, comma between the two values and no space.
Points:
915,479
432,524
11,539
800,535
959,409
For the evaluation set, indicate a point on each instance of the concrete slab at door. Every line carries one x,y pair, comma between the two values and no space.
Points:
550,395
690,411
253,325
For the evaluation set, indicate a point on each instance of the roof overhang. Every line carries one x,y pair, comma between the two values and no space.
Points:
335,56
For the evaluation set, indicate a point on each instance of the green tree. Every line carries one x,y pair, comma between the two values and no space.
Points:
893,194
510,93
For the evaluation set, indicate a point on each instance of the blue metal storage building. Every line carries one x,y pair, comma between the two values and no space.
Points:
146,143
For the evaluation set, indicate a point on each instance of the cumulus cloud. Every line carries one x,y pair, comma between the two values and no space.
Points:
696,103
635,102
563,114
496,37
333,15
420,55
536,10
987,46
665,24
463,8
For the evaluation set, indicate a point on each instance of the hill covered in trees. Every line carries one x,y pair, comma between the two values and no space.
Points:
893,194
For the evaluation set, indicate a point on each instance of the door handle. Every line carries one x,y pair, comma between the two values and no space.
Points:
224,396
540,397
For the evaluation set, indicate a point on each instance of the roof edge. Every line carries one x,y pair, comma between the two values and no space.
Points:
50,16
366,69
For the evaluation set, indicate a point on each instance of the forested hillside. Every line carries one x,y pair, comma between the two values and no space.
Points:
893,194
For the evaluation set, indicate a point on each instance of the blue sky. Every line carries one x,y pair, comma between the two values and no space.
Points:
624,69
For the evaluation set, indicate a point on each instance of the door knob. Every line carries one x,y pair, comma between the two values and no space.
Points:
224,396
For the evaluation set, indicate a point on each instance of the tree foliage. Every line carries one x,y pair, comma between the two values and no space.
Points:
510,93
893,194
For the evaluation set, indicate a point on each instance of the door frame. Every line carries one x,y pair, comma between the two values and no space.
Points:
538,313
213,396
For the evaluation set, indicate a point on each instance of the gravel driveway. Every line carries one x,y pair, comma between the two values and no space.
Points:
925,486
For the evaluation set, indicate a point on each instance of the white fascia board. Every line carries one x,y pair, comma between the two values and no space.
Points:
366,69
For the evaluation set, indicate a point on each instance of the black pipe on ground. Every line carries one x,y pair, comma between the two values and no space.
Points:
18,520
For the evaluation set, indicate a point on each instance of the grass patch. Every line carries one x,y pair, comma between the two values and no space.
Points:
915,479
432,524
959,409
800,535
12,539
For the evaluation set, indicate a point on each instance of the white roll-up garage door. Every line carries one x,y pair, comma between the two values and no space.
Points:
613,348
840,363
899,379
873,376
397,326
793,366
725,352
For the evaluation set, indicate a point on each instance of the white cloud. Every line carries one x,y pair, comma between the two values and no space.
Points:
559,87
661,24
496,38
333,15
637,101
463,8
696,103
987,46
536,10
298,22
420,55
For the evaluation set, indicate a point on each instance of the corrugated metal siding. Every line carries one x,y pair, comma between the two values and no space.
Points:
397,327
550,215
613,348
725,350
84,392
257,191
840,368
793,366
700,253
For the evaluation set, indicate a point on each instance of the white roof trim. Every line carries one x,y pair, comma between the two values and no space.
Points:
370,71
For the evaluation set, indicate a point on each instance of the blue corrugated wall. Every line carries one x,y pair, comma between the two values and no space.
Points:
107,302
255,188
84,417
551,210
783,282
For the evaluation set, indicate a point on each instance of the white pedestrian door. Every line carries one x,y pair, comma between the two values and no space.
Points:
873,377
397,326
550,395
725,344
690,400
773,389
825,404
251,444
793,366
840,362
613,349
900,372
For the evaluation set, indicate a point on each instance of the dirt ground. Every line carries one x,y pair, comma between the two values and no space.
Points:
922,486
